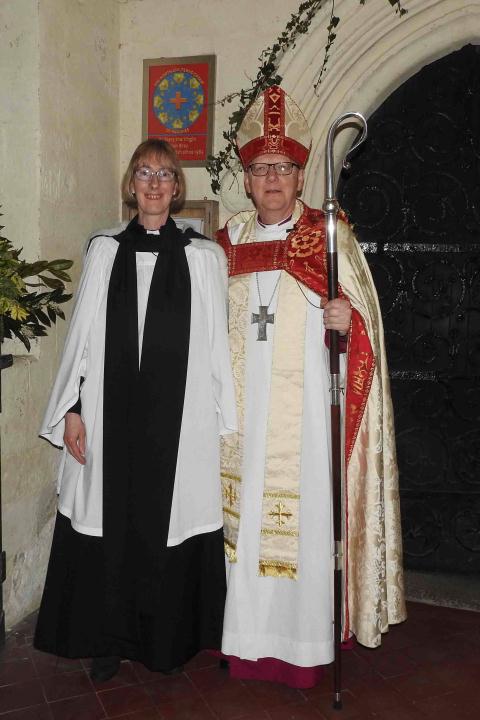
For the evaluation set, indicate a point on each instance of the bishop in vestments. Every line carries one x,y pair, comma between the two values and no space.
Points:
276,472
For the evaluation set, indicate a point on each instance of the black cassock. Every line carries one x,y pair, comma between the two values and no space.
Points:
127,593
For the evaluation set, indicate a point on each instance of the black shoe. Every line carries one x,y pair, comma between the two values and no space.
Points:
104,668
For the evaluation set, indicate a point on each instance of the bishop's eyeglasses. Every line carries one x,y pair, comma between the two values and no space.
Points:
145,174
280,168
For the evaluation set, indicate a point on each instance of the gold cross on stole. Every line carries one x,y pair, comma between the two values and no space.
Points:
279,513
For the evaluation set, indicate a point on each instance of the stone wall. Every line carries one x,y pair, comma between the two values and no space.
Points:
59,181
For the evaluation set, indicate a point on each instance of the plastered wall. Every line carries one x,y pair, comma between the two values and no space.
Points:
374,52
59,156
236,31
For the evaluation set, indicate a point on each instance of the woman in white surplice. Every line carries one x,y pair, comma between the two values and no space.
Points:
143,392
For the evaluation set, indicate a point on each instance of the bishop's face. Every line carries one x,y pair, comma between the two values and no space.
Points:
273,195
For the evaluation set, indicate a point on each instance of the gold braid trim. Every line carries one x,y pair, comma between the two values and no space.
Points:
286,533
277,569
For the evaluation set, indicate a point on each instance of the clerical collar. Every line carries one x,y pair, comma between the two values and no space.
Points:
134,226
283,222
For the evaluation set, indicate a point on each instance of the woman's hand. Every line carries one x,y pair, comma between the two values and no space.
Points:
74,436
337,315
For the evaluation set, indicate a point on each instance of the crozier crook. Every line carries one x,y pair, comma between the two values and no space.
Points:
330,207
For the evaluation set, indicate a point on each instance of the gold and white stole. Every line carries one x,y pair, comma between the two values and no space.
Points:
281,497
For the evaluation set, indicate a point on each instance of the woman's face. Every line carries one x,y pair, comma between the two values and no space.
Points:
154,195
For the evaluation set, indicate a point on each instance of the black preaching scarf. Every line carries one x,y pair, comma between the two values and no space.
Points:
142,417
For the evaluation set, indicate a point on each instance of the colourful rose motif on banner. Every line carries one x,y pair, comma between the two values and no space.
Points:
178,100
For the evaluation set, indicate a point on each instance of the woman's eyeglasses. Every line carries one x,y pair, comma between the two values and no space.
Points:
145,174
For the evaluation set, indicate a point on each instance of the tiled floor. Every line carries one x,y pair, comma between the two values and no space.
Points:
429,667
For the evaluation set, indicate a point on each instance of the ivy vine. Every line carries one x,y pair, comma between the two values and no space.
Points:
267,75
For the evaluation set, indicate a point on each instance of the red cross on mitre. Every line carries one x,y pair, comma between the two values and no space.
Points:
274,112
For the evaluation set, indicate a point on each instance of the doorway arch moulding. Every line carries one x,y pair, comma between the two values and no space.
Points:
374,53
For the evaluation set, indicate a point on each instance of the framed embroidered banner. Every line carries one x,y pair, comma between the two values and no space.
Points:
178,105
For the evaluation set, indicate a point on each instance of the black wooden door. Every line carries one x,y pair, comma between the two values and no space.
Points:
413,195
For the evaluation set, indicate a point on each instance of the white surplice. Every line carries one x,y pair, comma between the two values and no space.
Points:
209,405
291,620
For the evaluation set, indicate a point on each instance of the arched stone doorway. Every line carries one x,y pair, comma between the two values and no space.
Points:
413,195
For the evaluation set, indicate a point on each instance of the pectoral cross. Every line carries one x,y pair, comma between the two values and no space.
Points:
262,318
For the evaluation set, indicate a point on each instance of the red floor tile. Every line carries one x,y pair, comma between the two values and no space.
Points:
86,707
47,664
426,669
269,695
454,706
358,667
12,651
147,714
122,700
212,678
430,682
66,685
380,696
305,711
21,695
393,664
352,708
38,712
192,708
17,670
171,688
232,702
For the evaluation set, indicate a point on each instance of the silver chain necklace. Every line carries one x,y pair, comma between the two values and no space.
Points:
263,316
317,307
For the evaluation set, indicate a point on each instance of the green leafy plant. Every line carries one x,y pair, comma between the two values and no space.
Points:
267,75
26,312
